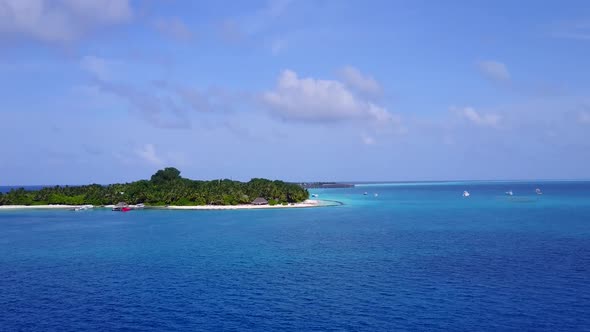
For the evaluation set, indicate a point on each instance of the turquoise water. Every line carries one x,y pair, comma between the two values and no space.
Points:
416,257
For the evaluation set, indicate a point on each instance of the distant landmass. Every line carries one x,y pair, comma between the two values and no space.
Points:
165,187
315,185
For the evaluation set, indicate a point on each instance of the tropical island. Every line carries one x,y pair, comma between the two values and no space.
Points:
166,188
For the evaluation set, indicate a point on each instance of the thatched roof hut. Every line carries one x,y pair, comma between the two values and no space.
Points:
260,201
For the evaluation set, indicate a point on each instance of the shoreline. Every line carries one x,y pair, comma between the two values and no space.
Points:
305,204
38,207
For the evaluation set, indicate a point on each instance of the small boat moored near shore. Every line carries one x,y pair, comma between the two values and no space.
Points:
121,206
84,207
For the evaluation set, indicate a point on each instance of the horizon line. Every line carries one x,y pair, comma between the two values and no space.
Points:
331,181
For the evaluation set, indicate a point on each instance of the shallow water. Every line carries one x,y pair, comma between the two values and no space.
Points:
416,257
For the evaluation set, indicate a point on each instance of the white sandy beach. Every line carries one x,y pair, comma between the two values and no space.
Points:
37,207
306,204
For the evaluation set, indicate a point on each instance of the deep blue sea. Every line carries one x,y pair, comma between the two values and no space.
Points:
417,257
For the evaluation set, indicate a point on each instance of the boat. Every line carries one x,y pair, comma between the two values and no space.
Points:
84,207
376,194
314,195
466,193
140,206
509,193
538,191
121,206
365,193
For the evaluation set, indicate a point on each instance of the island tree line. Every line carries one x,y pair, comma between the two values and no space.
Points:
166,187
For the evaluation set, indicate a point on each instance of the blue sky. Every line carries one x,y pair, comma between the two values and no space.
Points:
112,90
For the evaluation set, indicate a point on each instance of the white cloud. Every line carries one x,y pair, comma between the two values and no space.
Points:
494,70
163,104
489,120
356,80
315,100
368,140
157,107
148,154
60,21
174,28
98,67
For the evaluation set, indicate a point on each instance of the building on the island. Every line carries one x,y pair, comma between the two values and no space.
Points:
259,201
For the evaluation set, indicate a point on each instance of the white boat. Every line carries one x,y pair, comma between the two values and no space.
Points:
84,207
366,193
509,193
466,193
314,195
538,191
376,194
140,206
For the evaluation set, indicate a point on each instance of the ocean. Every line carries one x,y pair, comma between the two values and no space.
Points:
416,257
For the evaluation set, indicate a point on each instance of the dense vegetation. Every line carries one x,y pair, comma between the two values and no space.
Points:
166,187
